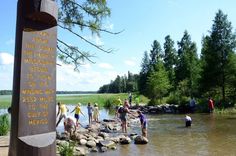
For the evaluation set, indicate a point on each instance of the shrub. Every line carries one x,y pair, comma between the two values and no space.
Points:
176,98
109,103
66,149
4,124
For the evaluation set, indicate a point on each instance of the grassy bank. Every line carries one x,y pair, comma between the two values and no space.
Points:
225,111
5,101
101,99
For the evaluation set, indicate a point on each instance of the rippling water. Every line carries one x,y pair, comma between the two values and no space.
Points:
209,135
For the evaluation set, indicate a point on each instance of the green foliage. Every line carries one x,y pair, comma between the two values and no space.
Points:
187,67
170,58
225,111
66,149
218,68
145,67
155,54
177,99
74,17
109,103
158,82
4,124
121,84
5,101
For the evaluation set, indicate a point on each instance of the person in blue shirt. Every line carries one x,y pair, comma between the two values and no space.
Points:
143,122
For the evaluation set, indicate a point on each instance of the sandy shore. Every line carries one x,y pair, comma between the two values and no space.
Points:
4,144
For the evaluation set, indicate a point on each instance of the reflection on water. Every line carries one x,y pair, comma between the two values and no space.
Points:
104,114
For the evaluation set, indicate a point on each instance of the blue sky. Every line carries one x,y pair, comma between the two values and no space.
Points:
142,22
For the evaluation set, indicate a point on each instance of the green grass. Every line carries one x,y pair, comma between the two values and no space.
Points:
4,124
225,111
101,99
5,101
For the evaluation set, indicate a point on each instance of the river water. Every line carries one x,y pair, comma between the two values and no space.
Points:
210,135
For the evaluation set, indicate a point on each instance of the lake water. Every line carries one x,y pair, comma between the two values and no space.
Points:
210,135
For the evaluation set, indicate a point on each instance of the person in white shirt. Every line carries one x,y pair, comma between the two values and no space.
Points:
188,121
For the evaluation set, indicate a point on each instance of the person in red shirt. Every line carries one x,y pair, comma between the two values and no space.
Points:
210,104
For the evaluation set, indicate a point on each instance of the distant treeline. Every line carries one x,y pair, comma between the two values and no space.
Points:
5,92
76,92
9,92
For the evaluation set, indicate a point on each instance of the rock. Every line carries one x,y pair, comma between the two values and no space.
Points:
104,135
91,143
81,151
94,149
83,142
91,138
140,140
125,140
107,143
103,149
110,127
113,147
115,139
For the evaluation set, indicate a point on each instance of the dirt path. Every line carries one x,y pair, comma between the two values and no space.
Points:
4,144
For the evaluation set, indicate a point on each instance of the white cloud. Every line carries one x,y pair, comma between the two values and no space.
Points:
6,58
108,25
131,62
105,65
6,70
87,79
86,66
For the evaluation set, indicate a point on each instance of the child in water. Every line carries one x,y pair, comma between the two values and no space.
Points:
143,122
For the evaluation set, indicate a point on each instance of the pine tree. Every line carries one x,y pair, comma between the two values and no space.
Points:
218,48
155,54
170,58
187,67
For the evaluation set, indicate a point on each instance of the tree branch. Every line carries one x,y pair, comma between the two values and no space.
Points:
98,47
86,10
98,29
71,47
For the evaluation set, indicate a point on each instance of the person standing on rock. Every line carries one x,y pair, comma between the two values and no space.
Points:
123,116
62,110
77,113
95,112
90,112
143,122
